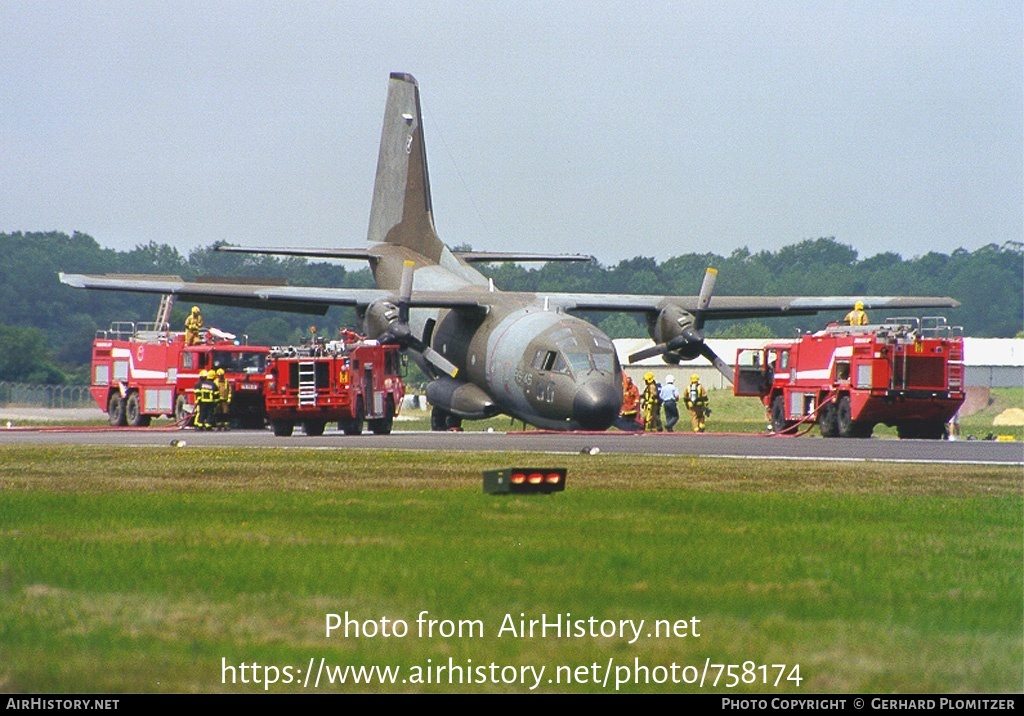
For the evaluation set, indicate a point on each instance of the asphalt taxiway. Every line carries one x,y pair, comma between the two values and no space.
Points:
705,445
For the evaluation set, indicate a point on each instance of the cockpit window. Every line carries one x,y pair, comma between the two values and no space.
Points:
604,362
579,362
549,361
576,362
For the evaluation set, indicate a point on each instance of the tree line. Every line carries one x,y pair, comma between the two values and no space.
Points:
47,330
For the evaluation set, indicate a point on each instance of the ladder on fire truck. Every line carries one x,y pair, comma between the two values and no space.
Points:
307,383
163,313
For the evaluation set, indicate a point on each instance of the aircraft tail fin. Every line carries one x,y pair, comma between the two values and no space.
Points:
401,213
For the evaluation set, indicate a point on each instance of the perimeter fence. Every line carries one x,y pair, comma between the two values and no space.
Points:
45,396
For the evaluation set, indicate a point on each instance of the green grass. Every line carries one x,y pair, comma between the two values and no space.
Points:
139,570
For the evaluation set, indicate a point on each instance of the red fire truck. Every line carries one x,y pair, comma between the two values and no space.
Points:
143,370
906,372
337,381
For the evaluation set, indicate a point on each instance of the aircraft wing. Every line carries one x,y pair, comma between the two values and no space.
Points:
305,299
300,299
729,307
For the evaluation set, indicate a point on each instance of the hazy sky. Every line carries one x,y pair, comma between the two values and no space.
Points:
617,129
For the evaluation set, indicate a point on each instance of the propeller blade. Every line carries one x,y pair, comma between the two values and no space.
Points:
440,362
656,350
433,357
691,335
720,364
704,299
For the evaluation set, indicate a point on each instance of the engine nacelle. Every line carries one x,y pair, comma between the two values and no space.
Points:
379,317
460,398
674,324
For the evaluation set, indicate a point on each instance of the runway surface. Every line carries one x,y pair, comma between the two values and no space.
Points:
707,445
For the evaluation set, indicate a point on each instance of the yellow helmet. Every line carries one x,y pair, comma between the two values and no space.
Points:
859,306
648,377
694,378
220,371
195,309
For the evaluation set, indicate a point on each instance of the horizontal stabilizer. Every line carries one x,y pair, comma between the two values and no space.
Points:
370,254
361,254
505,256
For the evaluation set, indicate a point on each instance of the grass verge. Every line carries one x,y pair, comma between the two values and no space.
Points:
151,570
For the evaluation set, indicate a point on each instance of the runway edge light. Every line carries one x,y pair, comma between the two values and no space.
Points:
524,480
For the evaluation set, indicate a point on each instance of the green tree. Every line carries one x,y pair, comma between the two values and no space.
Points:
622,325
26,357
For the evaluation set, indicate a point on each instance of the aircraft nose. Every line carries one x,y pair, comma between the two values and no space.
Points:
596,405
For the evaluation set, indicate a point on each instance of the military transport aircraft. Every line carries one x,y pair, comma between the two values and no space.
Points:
487,351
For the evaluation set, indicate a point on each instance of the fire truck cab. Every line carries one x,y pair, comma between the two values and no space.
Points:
348,382
143,370
905,372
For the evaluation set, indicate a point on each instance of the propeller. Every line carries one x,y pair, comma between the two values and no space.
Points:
689,340
399,333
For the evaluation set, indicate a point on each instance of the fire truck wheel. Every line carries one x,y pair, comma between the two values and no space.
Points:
133,411
844,419
382,426
181,413
921,430
354,426
848,427
779,423
283,428
314,428
934,430
115,411
828,423
907,431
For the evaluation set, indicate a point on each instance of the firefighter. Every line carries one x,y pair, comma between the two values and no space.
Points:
670,399
206,399
696,400
347,335
856,317
193,322
650,404
223,396
627,419
197,396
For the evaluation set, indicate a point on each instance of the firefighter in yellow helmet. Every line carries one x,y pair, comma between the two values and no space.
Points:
856,317
206,399
695,398
193,322
223,413
650,405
